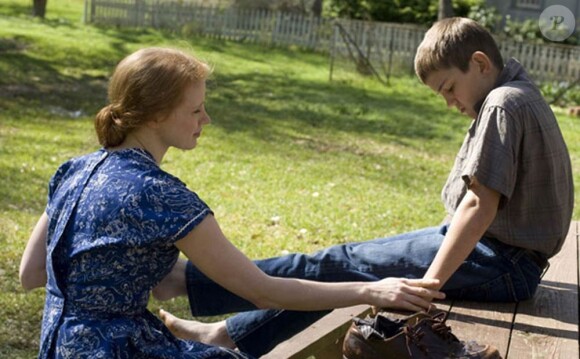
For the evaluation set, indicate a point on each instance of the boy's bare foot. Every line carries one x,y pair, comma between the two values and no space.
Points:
208,333
173,285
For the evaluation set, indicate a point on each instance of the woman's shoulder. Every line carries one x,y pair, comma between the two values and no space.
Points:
81,160
140,166
75,165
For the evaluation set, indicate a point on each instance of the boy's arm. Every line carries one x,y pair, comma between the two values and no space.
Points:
472,218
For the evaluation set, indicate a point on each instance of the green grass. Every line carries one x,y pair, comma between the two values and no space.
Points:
342,161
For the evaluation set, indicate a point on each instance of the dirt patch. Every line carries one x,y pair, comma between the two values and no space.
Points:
574,111
12,45
17,90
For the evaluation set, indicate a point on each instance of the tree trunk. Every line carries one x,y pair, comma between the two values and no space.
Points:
39,8
317,8
445,9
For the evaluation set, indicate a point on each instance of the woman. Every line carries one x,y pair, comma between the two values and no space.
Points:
115,223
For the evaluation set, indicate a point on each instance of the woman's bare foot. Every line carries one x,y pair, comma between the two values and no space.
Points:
208,333
173,285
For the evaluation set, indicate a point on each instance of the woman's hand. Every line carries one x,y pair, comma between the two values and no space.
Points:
210,251
402,293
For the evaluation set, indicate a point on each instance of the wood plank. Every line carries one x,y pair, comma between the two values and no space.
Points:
325,332
486,323
547,325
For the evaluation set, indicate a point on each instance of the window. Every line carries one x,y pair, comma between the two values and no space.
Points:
529,4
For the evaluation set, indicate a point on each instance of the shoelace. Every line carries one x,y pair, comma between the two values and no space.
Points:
442,329
413,336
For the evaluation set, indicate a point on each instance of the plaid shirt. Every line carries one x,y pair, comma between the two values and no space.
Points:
515,147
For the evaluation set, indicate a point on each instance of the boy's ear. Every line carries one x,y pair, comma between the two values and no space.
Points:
482,61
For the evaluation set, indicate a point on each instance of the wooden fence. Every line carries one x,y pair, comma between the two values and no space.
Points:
385,45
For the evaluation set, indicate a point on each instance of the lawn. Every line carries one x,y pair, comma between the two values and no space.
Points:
291,162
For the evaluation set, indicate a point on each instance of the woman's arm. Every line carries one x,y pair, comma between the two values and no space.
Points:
33,262
210,251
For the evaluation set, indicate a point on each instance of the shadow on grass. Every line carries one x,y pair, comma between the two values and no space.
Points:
16,9
256,103
268,106
246,50
29,81
263,105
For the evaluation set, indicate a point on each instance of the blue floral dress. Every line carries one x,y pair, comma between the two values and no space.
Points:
113,220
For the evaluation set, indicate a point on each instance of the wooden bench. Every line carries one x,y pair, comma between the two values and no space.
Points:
543,327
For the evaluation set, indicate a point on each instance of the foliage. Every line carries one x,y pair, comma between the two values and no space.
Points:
527,30
351,9
487,16
424,12
561,93
293,6
398,11
520,31
413,11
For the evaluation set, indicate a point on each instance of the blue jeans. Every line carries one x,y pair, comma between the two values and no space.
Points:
492,272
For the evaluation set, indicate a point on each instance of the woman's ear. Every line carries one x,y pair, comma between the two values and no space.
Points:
153,124
156,121
482,61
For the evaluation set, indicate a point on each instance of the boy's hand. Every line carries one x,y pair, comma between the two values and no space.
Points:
407,294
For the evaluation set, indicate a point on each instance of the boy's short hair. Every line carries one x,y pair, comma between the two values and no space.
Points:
450,43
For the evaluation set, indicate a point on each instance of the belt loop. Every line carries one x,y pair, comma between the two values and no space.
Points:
538,258
545,270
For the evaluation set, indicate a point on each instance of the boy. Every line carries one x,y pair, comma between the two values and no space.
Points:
510,197
512,178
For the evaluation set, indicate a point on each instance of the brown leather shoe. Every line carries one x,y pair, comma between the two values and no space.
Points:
419,336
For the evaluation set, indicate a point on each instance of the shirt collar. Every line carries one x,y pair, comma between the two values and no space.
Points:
512,70
144,153
134,151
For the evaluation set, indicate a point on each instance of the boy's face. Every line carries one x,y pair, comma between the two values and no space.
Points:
463,90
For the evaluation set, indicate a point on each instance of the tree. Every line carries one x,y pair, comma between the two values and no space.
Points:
445,9
39,8
317,8
351,9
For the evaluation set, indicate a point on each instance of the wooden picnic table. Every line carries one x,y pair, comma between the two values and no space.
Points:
545,326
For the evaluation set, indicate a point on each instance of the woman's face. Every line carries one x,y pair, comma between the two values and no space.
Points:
183,126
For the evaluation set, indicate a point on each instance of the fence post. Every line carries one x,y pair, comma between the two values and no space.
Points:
277,21
93,10
332,50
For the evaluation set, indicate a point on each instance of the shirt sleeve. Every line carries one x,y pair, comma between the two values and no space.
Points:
493,158
53,186
166,211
